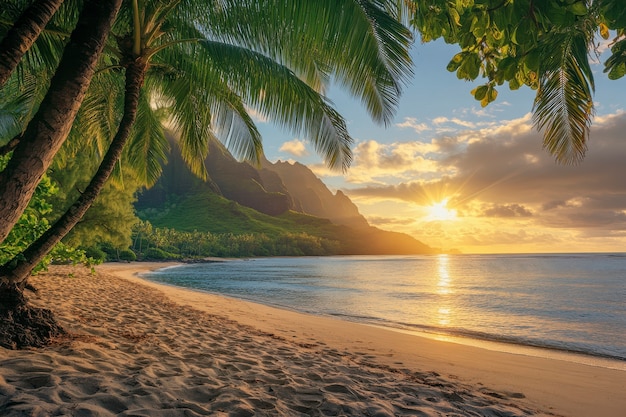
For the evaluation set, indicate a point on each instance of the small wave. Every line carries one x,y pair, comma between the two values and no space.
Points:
480,336
353,317
498,338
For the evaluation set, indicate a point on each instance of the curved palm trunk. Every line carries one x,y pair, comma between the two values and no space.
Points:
21,325
23,34
22,266
49,128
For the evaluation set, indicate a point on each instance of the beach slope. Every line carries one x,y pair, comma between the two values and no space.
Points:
136,348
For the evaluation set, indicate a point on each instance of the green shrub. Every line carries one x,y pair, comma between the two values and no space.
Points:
109,250
95,253
172,249
127,255
157,254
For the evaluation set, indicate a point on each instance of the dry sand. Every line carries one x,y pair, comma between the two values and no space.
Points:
137,348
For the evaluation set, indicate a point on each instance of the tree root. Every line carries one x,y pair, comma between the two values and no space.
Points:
23,326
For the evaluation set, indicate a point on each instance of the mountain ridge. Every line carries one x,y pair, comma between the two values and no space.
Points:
283,196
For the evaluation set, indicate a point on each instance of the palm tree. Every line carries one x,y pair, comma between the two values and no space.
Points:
23,34
207,73
48,129
33,154
35,41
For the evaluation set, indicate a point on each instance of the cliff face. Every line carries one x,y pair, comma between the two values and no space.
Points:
313,197
241,182
237,181
271,189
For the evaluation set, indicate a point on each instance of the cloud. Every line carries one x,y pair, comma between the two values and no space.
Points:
411,123
379,220
378,163
507,210
418,192
504,173
450,125
553,204
294,147
447,145
455,120
489,111
516,238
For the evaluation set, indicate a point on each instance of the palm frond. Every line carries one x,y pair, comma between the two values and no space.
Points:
15,106
279,95
32,76
44,55
189,117
147,149
235,127
353,41
563,107
21,97
99,115
203,106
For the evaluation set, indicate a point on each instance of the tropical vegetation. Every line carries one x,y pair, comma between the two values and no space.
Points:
152,243
545,45
88,88
125,70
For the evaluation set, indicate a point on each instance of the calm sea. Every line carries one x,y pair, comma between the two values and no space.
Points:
562,303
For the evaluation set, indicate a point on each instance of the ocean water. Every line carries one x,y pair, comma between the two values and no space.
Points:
564,303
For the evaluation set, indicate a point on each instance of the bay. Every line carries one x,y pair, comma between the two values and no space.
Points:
565,302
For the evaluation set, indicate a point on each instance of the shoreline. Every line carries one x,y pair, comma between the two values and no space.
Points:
493,344
136,347
562,385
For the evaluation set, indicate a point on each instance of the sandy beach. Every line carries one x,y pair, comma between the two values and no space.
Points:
137,348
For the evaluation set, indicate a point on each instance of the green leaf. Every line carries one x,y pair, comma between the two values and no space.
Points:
496,33
525,32
491,96
533,59
614,13
480,25
455,17
578,8
508,67
514,84
455,62
480,92
616,63
617,71
470,68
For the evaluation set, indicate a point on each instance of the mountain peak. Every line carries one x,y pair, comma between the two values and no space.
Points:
276,189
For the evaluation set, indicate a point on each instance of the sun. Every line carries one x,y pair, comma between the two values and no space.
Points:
440,211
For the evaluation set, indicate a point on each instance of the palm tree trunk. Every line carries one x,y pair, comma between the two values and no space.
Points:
22,265
22,325
49,128
23,34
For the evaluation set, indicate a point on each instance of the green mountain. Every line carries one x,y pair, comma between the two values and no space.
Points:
273,199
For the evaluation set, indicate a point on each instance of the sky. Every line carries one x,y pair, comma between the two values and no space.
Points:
458,176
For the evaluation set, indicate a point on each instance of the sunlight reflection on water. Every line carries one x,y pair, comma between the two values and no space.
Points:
568,302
